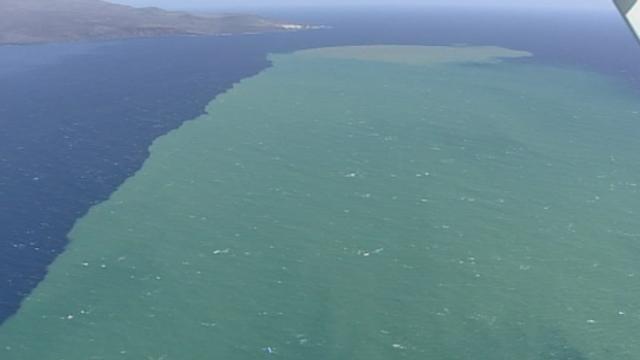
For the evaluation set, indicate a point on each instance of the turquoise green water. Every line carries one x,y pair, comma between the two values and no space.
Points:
358,209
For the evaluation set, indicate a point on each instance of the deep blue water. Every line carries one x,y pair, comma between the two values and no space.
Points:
76,119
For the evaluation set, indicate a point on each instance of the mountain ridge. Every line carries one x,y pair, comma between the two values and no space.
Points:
40,21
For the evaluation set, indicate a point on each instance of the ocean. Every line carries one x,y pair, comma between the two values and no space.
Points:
324,208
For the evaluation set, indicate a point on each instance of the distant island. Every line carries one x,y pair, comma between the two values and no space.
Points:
37,21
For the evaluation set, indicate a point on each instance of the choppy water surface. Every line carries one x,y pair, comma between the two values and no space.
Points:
339,208
77,119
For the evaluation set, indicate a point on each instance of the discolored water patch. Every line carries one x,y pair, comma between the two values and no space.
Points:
417,55
364,210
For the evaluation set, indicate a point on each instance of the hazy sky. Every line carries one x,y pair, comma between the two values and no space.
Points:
176,4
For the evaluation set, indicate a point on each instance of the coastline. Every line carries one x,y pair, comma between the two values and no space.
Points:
285,28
